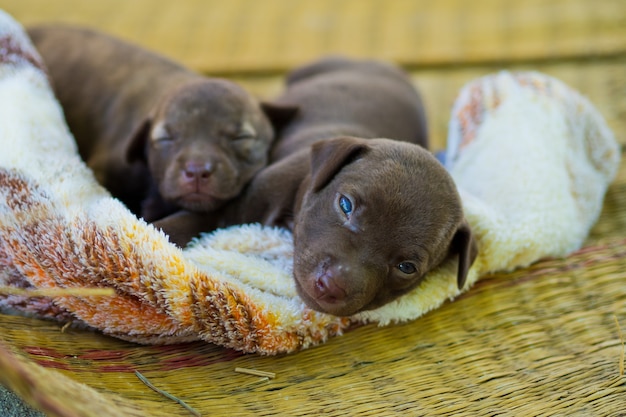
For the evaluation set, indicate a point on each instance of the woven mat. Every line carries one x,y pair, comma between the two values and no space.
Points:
270,35
445,43
540,341
544,340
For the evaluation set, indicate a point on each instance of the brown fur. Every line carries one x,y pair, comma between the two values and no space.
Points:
370,216
157,135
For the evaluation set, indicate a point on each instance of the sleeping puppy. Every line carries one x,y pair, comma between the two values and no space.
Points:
339,96
157,136
370,216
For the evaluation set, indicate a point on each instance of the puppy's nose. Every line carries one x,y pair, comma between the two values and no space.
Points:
198,170
328,290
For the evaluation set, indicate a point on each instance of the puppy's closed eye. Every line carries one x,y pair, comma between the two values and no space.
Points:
161,134
243,142
245,132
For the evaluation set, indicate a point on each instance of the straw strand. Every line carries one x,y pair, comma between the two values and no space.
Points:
167,395
623,349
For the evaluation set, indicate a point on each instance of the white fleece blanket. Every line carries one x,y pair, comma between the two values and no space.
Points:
531,157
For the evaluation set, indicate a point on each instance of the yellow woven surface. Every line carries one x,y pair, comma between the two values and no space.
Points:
539,341
243,35
444,43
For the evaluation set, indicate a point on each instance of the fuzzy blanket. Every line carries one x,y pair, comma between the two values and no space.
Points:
531,157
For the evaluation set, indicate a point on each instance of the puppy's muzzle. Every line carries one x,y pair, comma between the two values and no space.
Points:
197,172
330,289
197,187
326,288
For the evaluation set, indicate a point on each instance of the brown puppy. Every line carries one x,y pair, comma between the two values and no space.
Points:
370,217
158,136
339,97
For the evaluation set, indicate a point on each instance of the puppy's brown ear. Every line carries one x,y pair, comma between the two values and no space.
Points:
465,246
279,115
329,157
136,150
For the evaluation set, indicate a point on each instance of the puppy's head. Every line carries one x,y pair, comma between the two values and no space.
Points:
372,219
204,141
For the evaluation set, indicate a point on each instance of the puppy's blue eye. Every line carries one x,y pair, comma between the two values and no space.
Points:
345,205
407,268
